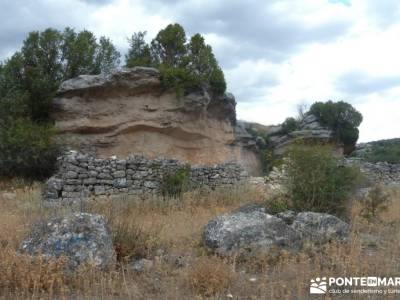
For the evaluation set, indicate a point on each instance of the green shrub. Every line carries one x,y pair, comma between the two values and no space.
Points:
375,202
384,150
217,81
340,117
176,182
179,79
277,203
27,149
317,181
289,125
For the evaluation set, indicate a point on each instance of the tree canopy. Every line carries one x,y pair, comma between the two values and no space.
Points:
341,117
29,80
184,64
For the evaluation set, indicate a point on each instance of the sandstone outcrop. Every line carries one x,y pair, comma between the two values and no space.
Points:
129,112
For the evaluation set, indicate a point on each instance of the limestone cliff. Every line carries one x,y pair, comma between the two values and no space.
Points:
129,112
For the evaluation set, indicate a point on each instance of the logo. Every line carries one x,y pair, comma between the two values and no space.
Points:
318,286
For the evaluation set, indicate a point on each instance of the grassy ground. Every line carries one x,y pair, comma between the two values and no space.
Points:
169,234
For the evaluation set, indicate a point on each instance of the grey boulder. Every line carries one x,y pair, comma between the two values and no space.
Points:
250,231
81,237
321,228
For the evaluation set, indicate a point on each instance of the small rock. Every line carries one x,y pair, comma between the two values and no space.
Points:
288,216
141,265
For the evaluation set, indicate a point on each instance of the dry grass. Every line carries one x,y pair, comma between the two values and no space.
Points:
210,276
162,230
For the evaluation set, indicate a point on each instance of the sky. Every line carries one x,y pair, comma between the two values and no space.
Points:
277,55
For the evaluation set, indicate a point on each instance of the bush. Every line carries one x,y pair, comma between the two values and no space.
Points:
130,240
210,276
179,79
340,117
385,150
27,149
375,202
175,183
289,125
277,203
317,181
217,81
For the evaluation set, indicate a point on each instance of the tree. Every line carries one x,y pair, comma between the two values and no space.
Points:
201,60
169,46
217,81
139,51
27,149
202,63
289,125
341,117
49,57
28,83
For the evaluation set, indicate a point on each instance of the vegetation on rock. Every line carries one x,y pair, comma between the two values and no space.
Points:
341,117
185,65
289,125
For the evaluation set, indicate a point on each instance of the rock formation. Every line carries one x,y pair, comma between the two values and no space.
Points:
308,130
250,228
129,112
82,238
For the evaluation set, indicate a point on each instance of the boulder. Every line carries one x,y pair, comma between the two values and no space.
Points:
81,238
321,228
249,230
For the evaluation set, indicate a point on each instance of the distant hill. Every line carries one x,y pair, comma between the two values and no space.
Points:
379,151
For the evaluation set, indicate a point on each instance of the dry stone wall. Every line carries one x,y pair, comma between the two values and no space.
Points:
82,176
381,172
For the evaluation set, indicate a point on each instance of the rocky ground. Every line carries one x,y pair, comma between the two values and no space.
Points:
200,246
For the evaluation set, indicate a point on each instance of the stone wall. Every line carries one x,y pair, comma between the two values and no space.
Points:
82,176
380,172
374,173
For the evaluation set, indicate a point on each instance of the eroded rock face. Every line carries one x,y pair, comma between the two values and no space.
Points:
309,130
249,229
81,238
128,112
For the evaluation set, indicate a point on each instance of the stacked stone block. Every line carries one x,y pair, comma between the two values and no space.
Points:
82,176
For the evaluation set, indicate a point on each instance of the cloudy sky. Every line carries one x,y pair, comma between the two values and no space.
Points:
276,55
